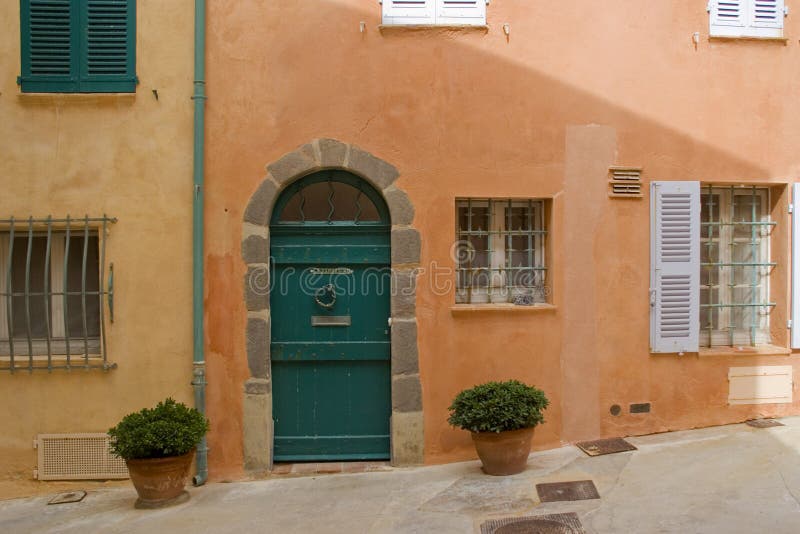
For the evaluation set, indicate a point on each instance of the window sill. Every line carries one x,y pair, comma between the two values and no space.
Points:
777,40
468,309
759,350
76,98
402,28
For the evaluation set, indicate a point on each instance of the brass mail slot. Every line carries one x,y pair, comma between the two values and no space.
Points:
330,320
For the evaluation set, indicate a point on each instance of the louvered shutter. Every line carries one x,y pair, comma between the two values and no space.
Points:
397,12
795,267
49,45
83,46
728,17
109,54
674,266
765,17
468,12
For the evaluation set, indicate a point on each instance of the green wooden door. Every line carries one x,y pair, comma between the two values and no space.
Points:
330,304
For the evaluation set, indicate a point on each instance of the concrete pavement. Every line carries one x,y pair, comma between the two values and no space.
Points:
732,479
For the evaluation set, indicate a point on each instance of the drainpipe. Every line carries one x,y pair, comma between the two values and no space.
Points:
198,338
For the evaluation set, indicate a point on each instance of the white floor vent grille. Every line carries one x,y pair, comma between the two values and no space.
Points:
77,457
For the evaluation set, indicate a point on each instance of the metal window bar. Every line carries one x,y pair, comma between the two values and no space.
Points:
52,229
499,280
726,301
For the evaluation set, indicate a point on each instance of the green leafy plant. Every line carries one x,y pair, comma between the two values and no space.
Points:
169,429
498,406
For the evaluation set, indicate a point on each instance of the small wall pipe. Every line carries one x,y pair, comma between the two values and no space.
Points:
198,336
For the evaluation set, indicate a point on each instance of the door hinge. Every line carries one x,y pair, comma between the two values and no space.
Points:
789,323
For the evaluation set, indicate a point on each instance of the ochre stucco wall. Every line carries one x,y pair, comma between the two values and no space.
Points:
574,88
128,156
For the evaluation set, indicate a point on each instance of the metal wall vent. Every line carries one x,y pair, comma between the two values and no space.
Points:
77,457
625,182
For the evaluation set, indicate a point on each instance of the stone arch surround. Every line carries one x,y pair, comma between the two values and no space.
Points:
407,443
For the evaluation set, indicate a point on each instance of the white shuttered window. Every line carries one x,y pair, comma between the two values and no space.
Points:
434,12
674,266
746,18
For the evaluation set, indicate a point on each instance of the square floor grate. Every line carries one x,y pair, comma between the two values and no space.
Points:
77,457
537,524
763,423
599,447
578,490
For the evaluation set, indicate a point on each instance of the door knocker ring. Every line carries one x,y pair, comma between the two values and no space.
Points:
329,289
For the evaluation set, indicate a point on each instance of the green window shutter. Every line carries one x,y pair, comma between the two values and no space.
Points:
49,46
83,46
108,54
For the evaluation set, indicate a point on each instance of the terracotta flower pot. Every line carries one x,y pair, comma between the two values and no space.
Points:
503,453
160,481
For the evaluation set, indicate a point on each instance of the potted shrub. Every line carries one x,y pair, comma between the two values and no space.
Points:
158,445
501,417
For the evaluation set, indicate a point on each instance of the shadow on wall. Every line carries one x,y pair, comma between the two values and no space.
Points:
461,107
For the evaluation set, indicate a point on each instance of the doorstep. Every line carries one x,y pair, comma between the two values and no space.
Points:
327,468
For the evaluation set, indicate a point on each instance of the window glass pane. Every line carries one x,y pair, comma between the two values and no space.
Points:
473,245
74,276
709,213
36,304
329,201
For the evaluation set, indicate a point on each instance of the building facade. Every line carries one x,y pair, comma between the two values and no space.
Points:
95,237
508,152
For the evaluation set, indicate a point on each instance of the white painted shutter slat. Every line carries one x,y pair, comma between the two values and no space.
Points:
674,266
727,17
468,12
795,267
409,12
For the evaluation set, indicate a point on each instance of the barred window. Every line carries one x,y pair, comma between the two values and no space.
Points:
51,293
735,266
500,251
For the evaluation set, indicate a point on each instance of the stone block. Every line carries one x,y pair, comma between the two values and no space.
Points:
406,246
257,431
294,164
260,206
332,153
400,207
408,440
404,293
255,249
258,337
256,287
405,356
406,393
380,173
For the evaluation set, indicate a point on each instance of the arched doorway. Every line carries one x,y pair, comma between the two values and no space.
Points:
330,307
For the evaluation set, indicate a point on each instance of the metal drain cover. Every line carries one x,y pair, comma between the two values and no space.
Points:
579,490
543,524
605,446
763,423
72,496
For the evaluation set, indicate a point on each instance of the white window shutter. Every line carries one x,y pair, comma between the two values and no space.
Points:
728,17
795,267
467,12
674,266
409,12
766,17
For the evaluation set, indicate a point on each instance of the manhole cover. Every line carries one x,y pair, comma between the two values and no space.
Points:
567,491
764,423
605,446
72,496
543,524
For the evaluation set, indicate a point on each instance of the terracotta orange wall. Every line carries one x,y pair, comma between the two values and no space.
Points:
575,87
